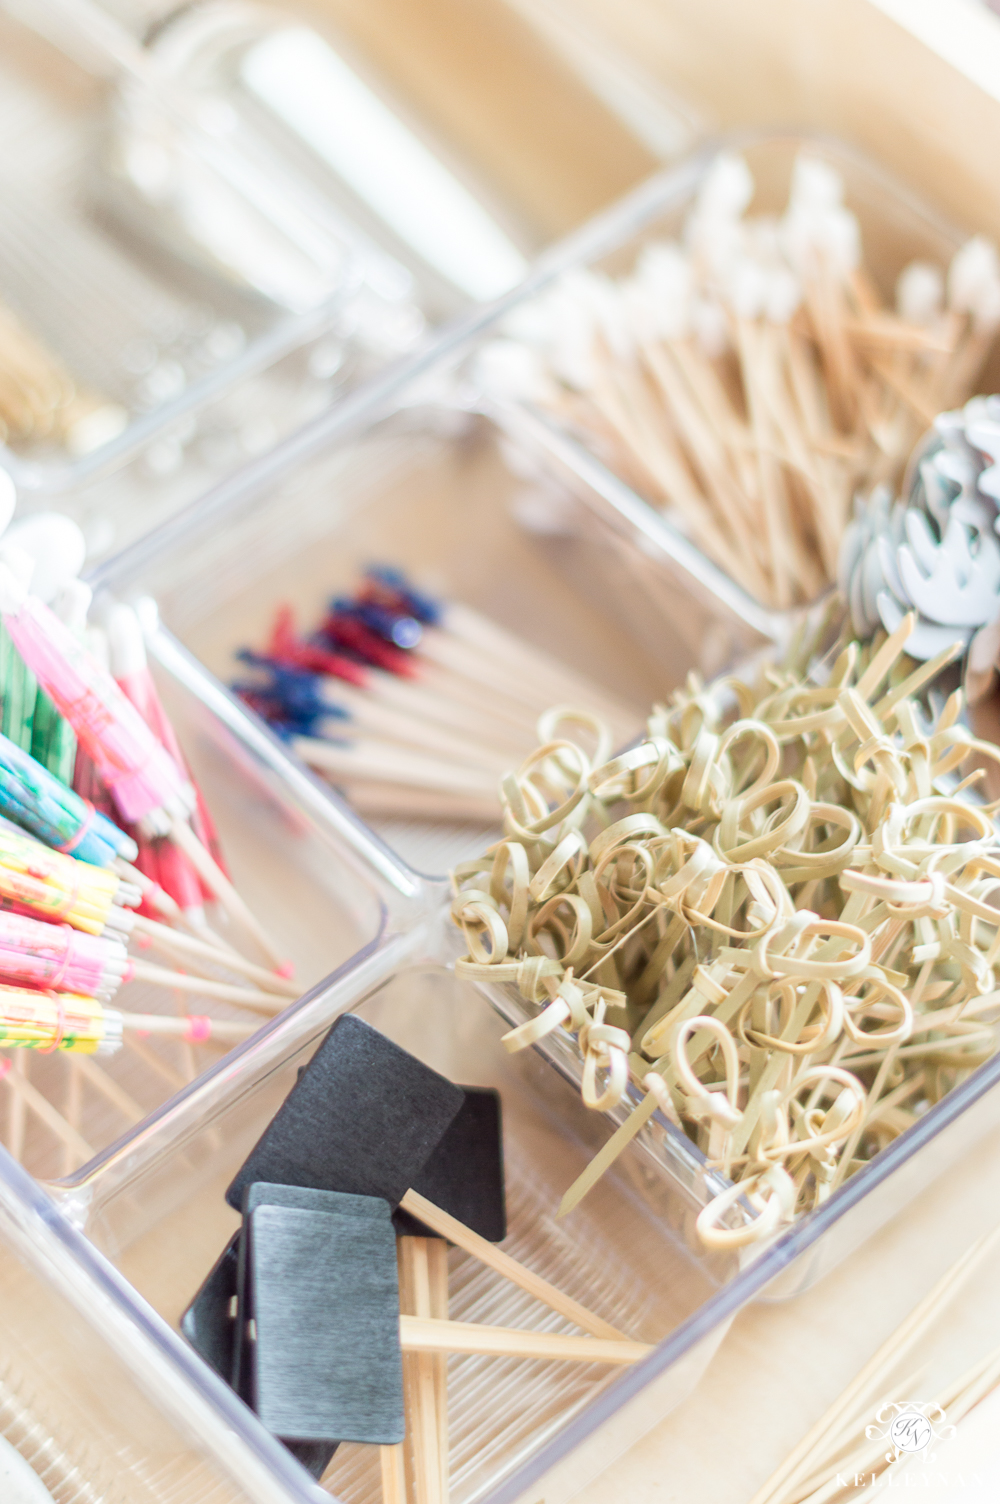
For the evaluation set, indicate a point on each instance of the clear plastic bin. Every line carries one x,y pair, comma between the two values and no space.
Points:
677,578
290,851
428,487
177,365
441,491
96,1392
520,1431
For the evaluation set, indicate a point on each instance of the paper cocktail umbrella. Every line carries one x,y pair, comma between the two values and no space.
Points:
50,1021
80,1025
148,787
48,885
32,797
57,546
145,782
59,958
169,866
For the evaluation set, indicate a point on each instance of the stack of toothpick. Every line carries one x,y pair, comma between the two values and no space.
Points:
411,705
848,1441
748,379
39,400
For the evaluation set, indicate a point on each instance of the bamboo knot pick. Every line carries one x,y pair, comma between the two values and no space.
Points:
769,918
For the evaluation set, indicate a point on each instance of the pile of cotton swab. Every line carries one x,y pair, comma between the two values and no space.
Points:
747,378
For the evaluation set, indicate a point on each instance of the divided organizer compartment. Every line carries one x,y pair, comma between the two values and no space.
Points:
520,1431
179,363
675,577
428,487
290,854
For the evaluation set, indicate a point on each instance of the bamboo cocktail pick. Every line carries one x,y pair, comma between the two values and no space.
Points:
771,920
411,705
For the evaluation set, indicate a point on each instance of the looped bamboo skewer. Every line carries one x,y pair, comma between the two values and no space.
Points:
767,958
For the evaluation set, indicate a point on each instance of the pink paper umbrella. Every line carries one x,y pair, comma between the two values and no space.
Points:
162,861
131,671
144,780
148,787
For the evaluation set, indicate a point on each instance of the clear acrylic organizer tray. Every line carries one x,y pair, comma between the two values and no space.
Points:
428,487
154,1206
178,366
439,491
289,850
677,588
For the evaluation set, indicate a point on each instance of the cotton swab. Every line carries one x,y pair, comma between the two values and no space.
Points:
747,378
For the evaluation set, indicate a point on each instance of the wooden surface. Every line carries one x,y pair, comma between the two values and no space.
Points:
492,90
487,79
782,1365
840,66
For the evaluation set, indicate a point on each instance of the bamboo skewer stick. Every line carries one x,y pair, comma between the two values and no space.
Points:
420,1300
34,1101
472,641
393,1475
730,499
957,1399
174,1079
261,1002
487,1253
454,710
18,1108
393,765
874,1373
171,939
418,804
741,433
85,1068
152,892
420,1335
384,724
180,1028
215,879
74,1107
